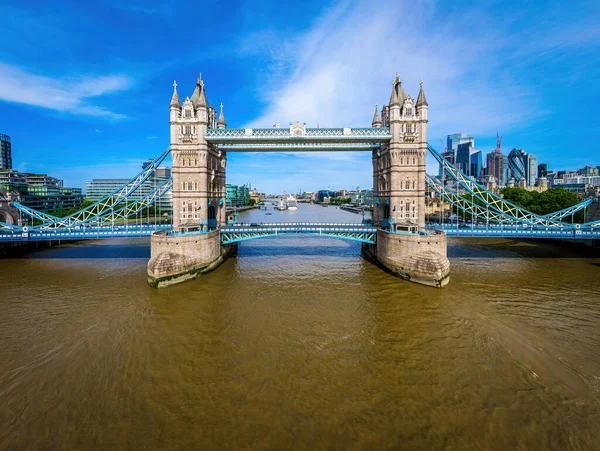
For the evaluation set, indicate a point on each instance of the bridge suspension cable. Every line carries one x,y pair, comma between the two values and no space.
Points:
496,202
100,209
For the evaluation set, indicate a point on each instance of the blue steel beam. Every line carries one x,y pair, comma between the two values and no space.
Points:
494,201
103,206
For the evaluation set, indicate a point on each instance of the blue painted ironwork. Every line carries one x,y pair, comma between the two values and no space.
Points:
349,231
495,202
300,147
511,231
85,233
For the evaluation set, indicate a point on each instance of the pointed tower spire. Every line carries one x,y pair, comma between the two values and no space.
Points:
199,96
175,99
421,100
221,123
376,119
394,97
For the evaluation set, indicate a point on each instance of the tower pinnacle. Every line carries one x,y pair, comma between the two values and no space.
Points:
221,122
376,119
421,100
175,98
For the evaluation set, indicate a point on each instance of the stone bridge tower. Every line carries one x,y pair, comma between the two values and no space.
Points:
199,193
198,167
399,168
403,246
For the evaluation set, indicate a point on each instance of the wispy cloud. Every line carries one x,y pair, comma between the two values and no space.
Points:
70,95
335,71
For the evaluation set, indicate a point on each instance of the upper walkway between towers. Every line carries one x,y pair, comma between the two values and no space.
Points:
298,138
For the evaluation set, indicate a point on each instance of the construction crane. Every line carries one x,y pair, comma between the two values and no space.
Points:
498,143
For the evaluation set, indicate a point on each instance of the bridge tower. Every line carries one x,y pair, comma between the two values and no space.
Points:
403,245
199,194
198,168
399,167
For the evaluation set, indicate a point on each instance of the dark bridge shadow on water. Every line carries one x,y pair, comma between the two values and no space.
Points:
87,250
518,248
310,250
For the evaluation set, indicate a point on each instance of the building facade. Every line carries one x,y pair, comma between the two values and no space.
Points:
399,167
5,152
237,195
40,191
497,167
97,189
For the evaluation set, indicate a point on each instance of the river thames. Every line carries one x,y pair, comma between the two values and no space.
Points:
299,343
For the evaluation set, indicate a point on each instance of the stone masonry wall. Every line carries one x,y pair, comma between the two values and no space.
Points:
418,258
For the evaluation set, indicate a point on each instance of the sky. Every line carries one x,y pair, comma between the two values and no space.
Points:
85,86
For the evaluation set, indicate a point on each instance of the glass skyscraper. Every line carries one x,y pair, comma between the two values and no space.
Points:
5,152
523,165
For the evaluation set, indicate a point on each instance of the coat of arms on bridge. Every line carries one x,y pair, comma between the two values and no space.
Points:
297,129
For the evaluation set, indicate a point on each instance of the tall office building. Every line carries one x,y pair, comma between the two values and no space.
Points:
461,151
454,140
542,170
469,160
497,167
517,165
532,163
522,165
5,152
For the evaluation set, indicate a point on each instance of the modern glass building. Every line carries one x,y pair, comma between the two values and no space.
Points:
451,154
542,170
237,195
517,164
97,189
523,165
5,152
469,160
40,191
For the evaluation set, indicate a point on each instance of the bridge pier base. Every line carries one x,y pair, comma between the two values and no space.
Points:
418,258
177,258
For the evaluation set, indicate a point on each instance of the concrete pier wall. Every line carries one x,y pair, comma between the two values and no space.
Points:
175,259
418,258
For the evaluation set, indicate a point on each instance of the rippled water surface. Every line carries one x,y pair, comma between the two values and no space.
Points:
300,344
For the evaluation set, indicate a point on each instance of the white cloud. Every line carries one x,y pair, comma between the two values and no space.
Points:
335,72
345,62
64,94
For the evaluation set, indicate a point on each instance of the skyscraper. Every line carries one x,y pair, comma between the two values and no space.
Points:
5,152
497,166
454,140
469,159
542,170
517,164
523,165
532,163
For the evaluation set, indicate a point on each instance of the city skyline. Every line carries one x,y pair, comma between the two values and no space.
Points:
79,107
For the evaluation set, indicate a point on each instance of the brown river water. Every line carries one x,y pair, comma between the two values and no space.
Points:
299,343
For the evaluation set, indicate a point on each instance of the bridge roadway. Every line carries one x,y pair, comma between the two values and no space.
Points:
505,231
247,231
348,231
87,233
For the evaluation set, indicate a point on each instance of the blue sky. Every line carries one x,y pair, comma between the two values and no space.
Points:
85,86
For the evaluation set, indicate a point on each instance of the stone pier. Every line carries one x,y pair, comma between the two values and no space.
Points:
177,258
418,258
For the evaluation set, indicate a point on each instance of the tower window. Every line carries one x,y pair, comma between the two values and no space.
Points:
188,114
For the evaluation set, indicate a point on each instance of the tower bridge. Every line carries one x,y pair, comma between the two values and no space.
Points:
199,238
